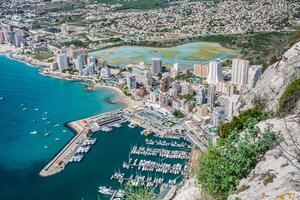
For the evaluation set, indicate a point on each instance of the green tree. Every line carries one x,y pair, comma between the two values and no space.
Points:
140,193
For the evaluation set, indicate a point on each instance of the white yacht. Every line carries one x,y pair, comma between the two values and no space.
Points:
33,132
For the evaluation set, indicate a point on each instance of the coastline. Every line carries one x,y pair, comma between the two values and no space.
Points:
120,96
12,53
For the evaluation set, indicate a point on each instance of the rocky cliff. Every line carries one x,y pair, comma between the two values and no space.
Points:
275,79
277,175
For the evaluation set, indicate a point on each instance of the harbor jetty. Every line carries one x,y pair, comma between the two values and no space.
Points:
83,129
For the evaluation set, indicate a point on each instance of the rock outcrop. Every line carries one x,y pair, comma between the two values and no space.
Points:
275,79
277,175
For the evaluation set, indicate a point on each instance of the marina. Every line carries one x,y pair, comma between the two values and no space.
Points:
160,163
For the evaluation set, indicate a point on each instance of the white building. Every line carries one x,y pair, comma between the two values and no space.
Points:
163,99
91,70
91,59
255,72
175,88
62,62
105,73
156,65
79,63
140,72
174,71
239,71
200,98
215,73
147,79
131,82
186,88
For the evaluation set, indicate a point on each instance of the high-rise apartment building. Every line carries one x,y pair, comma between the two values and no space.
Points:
215,73
156,65
62,62
239,71
201,70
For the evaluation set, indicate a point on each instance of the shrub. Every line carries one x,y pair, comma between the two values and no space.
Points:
140,193
239,123
232,159
289,98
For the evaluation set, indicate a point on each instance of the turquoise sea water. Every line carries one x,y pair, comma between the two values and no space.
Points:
133,54
23,155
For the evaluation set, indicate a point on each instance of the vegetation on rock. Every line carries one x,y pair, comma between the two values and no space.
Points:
233,158
288,101
141,193
238,123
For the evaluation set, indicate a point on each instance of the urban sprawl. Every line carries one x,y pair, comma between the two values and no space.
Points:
167,100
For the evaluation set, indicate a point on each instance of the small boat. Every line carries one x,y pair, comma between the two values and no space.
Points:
117,125
45,146
2,98
48,122
47,134
64,131
56,125
24,109
105,190
143,132
132,125
36,109
33,132
120,194
56,139
45,113
22,104
44,118
106,129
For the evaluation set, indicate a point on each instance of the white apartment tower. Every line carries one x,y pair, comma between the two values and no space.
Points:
79,63
239,71
62,62
174,71
131,82
215,73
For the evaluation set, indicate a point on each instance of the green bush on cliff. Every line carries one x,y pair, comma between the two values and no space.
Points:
138,193
289,98
233,158
238,123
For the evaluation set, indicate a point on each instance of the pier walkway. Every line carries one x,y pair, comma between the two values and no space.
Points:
83,128
59,162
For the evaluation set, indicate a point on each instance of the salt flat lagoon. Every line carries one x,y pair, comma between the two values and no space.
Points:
186,55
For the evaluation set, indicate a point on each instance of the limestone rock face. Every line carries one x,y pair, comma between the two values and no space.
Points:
275,79
277,175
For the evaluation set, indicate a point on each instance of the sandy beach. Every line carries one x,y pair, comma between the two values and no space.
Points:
7,49
121,97
14,53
